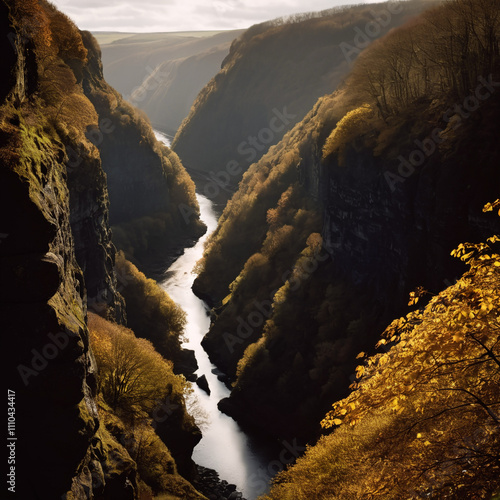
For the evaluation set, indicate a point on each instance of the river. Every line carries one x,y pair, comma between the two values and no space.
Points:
224,446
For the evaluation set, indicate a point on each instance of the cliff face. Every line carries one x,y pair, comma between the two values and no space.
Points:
272,77
48,348
291,327
57,258
144,178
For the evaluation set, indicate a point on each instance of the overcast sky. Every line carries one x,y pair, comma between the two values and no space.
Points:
184,15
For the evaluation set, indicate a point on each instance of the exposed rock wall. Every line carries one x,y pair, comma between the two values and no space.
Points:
56,259
47,346
383,234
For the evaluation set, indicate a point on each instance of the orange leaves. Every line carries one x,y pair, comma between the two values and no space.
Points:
360,370
416,295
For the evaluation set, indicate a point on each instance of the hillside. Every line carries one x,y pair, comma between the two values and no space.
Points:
162,73
83,388
328,233
274,74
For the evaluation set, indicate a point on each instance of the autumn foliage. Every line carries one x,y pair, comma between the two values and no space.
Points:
423,418
151,313
133,377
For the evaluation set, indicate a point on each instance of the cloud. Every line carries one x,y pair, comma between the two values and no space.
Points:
183,15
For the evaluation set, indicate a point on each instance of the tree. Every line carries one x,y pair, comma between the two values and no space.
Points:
133,377
441,380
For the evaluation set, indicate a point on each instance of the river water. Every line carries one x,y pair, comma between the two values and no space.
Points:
224,446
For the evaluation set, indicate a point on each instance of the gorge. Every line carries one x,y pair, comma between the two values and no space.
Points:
326,325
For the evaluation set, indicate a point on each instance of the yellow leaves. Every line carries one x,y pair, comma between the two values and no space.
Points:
383,360
395,403
416,295
433,357
464,252
355,123
489,207
413,299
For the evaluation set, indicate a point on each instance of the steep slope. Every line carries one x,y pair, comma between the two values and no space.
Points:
163,73
57,260
272,77
146,181
359,204
48,348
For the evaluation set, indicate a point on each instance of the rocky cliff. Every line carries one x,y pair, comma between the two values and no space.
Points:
51,368
149,189
57,259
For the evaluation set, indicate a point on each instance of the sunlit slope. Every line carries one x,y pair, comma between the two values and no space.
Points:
272,77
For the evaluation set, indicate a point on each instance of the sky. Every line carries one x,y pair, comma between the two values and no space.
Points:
184,15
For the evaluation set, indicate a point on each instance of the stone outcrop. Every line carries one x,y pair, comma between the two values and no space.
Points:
43,300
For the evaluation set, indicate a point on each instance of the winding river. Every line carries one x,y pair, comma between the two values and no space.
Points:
224,446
